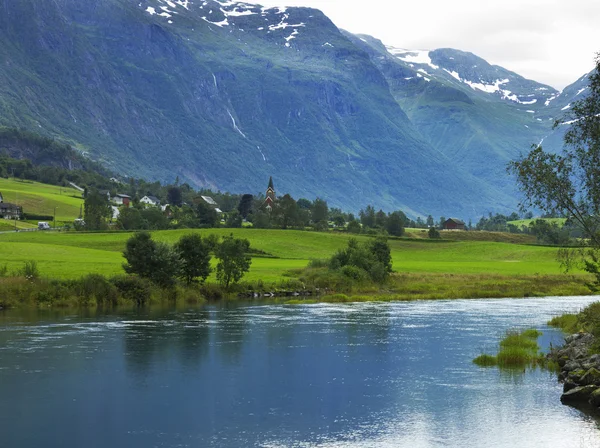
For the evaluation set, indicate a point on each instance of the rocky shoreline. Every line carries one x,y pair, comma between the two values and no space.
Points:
579,371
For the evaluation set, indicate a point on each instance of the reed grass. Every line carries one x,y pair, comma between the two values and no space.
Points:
518,349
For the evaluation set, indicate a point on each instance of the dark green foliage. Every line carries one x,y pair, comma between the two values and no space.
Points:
155,261
549,232
367,216
130,218
133,288
371,259
234,261
36,217
354,227
194,256
206,215
568,184
30,270
96,211
320,211
234,220
433,233
286,212
261,219
174,196
98,288
245,205
395,223
155,218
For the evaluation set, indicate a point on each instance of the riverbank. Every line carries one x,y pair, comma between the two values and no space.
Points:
95,290
579,358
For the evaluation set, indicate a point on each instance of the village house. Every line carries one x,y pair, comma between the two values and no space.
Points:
210,201
8,210
454,224
122,199
150,200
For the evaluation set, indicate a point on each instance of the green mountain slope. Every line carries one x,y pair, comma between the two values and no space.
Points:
224,95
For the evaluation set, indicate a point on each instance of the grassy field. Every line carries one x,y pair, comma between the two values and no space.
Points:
525,222
71,254
40,199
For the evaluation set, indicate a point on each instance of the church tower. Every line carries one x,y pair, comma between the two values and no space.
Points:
270,195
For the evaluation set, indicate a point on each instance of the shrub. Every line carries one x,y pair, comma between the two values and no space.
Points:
485,360
133,288
355,273
211,291
30,270
97,287
373,257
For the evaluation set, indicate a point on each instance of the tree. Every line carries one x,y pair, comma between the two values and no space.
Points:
381,219
96,210
286,212
304,204
320,211
149,259
568,184
430,222
207,216
442,221
194,257
362,260
234,220
174,195
433,233
261,219
155,218
234,261
245,205
395,224
367,216
130,218
354,226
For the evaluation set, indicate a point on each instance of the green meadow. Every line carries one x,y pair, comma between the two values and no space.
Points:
41,199
73,254
460,264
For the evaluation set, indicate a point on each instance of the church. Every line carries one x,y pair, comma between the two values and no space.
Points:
270,195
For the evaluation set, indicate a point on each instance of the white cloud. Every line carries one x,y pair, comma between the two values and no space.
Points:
550,41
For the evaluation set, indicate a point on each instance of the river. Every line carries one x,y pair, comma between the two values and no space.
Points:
357,375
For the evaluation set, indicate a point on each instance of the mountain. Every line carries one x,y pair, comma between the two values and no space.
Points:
224,94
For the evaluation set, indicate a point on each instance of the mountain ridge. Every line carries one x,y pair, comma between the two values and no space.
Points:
224,99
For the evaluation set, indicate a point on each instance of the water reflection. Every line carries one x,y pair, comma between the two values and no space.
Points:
359,375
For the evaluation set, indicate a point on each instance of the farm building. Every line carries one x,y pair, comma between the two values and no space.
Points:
122,199
454,224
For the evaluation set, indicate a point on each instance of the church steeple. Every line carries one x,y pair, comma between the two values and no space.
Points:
270,195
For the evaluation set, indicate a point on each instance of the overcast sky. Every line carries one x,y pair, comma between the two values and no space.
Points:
549,41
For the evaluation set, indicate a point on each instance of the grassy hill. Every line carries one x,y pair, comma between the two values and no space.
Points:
41,199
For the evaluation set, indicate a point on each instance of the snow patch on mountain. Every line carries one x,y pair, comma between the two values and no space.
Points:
412,56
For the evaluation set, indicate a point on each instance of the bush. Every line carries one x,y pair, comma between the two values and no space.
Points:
36,217
133,288
97,287
211,291
355,273
30,270
373,257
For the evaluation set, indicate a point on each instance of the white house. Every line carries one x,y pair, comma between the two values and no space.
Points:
150,200
122,199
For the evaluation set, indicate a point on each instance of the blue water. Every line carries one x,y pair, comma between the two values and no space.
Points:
360,375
